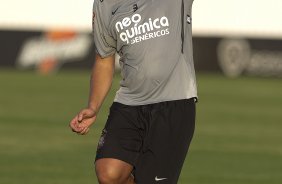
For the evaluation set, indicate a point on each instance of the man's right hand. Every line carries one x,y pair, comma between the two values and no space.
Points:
82,121
101,80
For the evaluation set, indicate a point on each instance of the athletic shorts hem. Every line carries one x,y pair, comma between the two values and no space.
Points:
117,158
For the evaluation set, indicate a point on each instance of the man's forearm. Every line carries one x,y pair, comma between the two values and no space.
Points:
101,80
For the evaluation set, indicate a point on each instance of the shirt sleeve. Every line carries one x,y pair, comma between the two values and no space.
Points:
105,44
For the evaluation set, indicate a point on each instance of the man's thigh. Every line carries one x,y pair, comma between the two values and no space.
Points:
113,171
167,142
153,139
121,137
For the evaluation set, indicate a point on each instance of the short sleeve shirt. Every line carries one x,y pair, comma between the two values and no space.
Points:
154,41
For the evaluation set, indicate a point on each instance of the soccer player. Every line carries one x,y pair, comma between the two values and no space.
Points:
151,121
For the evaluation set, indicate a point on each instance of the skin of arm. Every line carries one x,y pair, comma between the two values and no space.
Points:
100,84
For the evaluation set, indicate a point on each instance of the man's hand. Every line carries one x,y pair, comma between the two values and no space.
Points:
82,121
100,84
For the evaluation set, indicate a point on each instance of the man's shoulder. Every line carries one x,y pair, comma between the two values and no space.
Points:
106,6
106,3
103,8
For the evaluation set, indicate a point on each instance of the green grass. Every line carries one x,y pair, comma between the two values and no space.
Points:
237,139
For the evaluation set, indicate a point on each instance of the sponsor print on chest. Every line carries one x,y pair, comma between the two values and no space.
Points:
134,29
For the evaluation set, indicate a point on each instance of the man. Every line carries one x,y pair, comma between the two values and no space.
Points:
151,121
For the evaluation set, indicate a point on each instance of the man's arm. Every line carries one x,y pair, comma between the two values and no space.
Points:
101,81
100,84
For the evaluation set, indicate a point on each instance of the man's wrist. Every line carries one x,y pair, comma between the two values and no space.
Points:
94,106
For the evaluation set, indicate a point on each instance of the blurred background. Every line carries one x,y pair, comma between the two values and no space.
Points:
46,56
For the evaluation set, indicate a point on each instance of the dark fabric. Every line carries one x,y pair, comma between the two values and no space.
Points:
153,138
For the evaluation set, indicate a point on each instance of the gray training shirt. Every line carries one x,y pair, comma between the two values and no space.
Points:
154,41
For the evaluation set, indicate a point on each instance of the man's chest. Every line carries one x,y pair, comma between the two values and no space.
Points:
136,21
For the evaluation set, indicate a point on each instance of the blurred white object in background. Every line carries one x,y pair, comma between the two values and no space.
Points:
244,18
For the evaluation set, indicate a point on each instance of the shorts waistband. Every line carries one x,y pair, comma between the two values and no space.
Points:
156,105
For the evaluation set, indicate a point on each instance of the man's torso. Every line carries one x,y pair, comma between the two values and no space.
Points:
153,38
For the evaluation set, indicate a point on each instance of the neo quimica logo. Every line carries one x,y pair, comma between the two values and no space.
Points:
131,30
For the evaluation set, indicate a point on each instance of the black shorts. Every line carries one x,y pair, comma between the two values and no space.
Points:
153,138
